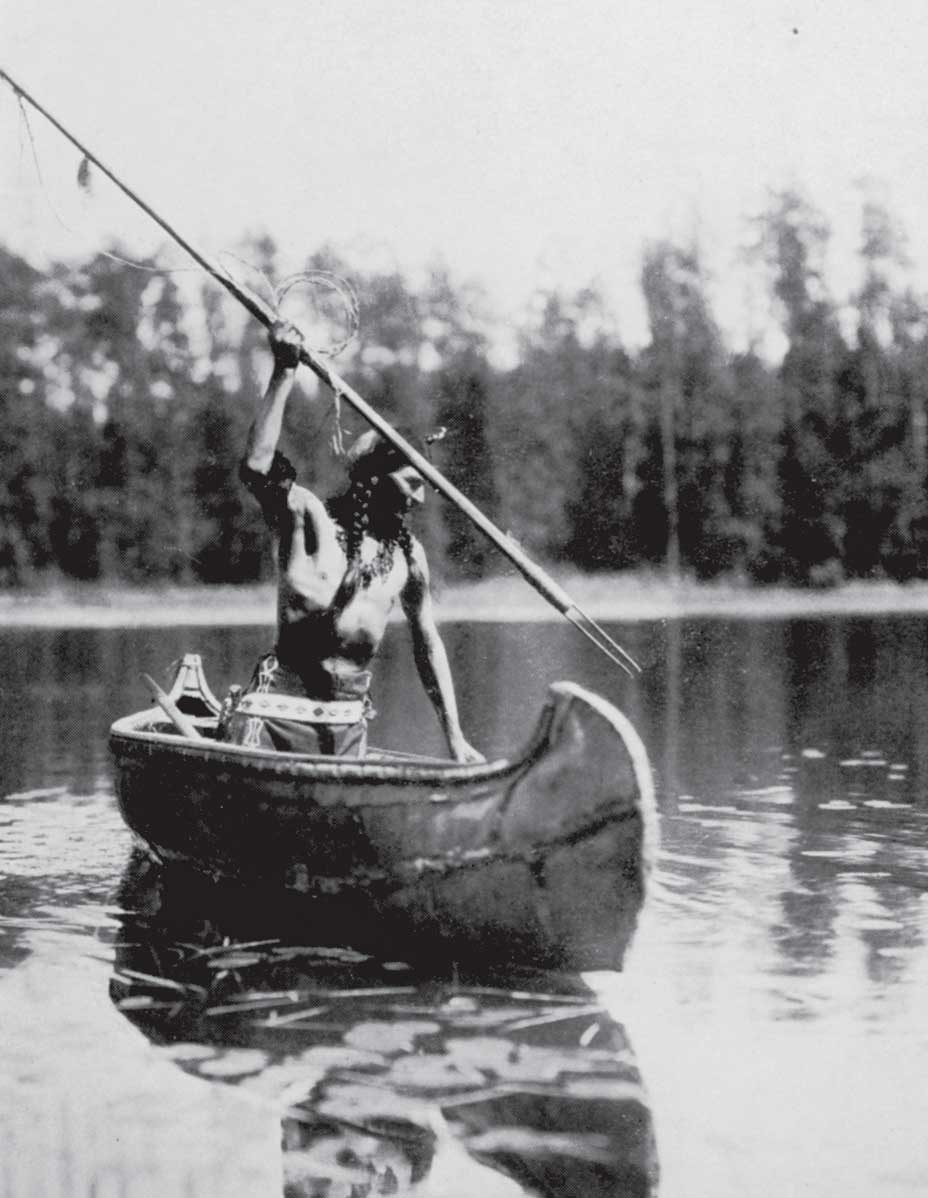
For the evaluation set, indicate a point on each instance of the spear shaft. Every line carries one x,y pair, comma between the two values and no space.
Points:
533,574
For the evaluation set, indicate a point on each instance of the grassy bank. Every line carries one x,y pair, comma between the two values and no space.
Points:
607,597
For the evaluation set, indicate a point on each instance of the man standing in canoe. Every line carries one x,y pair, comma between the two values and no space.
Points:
342,564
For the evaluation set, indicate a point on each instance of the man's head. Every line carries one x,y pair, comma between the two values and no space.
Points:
375,464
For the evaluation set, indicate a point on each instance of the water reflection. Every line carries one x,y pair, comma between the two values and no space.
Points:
793,789
383,1074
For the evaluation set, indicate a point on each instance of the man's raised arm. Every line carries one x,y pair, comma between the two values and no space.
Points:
264,434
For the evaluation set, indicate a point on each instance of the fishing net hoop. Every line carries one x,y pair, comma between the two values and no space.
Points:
342,289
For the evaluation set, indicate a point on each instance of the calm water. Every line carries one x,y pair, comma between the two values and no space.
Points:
768,1034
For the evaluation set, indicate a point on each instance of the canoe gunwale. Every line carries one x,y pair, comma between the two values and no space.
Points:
130,736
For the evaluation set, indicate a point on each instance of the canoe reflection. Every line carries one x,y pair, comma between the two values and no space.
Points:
382,1072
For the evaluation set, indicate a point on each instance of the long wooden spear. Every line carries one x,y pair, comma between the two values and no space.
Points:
533,574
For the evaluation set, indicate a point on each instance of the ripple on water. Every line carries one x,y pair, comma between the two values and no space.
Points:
63,837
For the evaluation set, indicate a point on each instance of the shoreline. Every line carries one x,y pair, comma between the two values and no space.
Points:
621,598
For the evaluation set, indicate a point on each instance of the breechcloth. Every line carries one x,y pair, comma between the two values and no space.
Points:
269,715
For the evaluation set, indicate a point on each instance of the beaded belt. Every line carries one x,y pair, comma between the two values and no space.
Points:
305,711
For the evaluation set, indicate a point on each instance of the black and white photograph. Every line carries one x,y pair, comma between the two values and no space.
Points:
463,599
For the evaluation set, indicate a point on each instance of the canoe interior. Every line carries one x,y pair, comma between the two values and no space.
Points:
155,722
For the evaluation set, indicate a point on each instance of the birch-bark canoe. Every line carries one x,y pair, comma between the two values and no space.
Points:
540,858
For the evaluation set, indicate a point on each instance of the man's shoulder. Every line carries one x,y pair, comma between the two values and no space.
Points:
277,491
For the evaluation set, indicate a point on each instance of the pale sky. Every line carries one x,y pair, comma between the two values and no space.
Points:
523,142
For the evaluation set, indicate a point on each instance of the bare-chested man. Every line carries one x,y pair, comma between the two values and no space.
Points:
342,564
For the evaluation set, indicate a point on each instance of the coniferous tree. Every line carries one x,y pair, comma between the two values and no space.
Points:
461,386
463,395
26,426
752,494
612,451
879,496
907,551
687,374
807,541
538,426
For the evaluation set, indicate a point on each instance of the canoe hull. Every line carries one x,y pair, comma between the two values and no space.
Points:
543,858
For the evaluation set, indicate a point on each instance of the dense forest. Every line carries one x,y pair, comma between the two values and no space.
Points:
126,393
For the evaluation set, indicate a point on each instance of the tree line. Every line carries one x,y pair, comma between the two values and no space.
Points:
126,393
